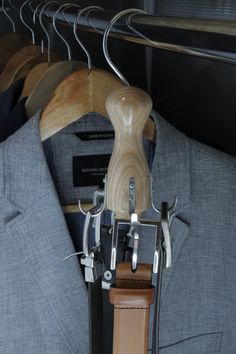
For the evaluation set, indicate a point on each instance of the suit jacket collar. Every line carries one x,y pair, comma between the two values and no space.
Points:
24,157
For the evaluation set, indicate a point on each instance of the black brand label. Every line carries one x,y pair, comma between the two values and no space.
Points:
96,135
90,170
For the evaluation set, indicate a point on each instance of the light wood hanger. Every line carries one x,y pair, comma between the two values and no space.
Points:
78,94
23,60
46,83
81,93
43,79
10,44
32,78
21,63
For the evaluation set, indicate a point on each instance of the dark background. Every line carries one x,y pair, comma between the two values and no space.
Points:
196,95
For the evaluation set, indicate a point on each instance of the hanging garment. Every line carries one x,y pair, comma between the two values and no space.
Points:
12,112
43,299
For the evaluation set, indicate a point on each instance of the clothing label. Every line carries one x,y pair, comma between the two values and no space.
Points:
96,135
90,170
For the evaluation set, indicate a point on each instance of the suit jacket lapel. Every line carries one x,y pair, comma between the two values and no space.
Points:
39,229
171,166
171,178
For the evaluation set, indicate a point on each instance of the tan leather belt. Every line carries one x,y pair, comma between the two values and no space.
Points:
132,297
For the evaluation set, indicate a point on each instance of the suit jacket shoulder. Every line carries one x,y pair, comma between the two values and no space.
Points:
213,175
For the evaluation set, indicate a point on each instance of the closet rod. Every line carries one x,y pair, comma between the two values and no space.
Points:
192,34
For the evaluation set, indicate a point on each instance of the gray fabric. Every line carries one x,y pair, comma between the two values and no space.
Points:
43,302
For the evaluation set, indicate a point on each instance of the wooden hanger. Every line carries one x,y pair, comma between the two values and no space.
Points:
10,43
21,63
42,81
80,93
25,59
40,90
32,78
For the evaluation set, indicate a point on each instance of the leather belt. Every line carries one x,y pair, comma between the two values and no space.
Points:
132,297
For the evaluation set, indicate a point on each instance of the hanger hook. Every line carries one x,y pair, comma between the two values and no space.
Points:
63,12
90,24
46,5
105,39
36,9
128,22
32,9
34,19
8,16
23,21
76,33
56,30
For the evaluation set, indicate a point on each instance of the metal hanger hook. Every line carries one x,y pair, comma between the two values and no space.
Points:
76,33
23,21
34,19
56,30
8,16
36,9
90,24
63,13
46,5
41,3
141,35
105,40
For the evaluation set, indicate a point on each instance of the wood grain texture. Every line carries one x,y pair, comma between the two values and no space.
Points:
78,94
128,109
48,82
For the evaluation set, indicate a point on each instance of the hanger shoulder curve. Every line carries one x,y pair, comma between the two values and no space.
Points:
32,78
15,63
81,93
48,82
19,66
78,94
12,42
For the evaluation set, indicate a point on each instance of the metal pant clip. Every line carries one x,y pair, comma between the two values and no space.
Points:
167,214
162,228
92,257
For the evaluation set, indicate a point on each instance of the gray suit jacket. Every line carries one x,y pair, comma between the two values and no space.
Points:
43,300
